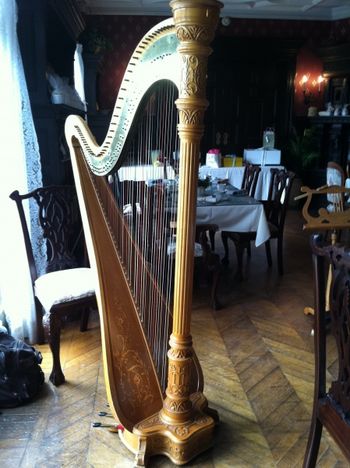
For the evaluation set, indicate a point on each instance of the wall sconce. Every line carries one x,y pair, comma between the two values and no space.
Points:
311,86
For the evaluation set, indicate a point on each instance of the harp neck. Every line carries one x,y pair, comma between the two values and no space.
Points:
155,58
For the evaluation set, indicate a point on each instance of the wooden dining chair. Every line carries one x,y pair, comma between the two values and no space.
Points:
331,408
275,209
151,200
249,183
66,286
250,179
335,176
207,266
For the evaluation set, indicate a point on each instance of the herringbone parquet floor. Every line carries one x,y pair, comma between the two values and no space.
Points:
257,358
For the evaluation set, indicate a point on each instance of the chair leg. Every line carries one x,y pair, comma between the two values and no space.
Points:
313,444
52,327
212,240
216,305
268,253
249,250
239,253
84,320
280,255
40,334
224,238
215,270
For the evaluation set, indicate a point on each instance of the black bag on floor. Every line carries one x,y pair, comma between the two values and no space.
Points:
21,377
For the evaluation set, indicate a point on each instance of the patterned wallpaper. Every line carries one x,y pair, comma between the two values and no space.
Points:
340,31
126,31
282,29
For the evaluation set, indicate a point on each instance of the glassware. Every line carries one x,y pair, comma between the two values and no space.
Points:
269,138
214,184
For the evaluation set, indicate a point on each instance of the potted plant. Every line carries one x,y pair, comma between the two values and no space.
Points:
303,151
94,42
302,154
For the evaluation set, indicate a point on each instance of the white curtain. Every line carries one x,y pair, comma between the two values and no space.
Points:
79,73
20,170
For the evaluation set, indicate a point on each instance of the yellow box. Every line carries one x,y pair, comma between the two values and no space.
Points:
238,161
228,161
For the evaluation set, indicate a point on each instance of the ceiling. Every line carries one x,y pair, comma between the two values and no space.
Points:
272,9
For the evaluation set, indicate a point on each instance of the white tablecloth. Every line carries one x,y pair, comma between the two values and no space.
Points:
146,172
236,218
235,177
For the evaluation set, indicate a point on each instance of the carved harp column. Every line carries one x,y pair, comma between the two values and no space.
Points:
184,428
195,30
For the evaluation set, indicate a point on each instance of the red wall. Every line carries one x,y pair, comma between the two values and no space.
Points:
126,31
308,64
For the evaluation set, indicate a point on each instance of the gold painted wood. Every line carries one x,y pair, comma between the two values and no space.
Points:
182,429
332,221
180,426
126,356
195,24
324,220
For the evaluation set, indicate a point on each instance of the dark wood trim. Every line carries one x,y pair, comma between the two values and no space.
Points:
336,59
70,16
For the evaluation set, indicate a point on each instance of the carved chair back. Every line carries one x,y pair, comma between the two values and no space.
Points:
250,179
335,176
63,289
278,197
331,407
59,219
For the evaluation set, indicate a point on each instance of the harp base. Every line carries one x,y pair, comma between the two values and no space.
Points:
179,442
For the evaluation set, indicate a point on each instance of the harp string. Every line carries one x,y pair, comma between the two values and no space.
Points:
145,211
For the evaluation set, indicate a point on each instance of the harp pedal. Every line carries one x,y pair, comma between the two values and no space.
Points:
103,413
111,427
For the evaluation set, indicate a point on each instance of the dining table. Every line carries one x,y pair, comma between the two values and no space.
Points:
230,209
234,175
145,172
233,211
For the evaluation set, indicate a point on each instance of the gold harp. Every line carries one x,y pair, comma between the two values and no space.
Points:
173,417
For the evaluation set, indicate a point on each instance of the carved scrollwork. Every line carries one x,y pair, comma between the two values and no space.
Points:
179,390
161,445
184,430
179,353
175,406
194,33
194,75
202,420
340,320
324,219
191,117
134,378
177,371
149,422
181,431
